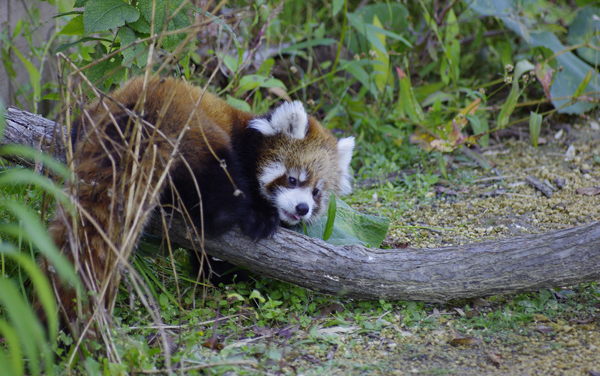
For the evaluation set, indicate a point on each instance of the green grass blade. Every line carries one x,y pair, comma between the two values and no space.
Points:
535,126
40,283
35,232
13,364
25,322
35,155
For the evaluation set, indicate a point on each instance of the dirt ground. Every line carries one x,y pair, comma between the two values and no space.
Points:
498,203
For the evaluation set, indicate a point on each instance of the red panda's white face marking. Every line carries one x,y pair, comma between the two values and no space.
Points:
290,119
292,192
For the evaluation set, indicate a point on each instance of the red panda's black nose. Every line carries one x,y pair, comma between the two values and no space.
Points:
302,209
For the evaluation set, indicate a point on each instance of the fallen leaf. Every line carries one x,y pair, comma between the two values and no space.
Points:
423,140
495,359
332,308
458,339
540,318
466,341
583,322
472,313
544,329
213,345
280,92
337,329
590,191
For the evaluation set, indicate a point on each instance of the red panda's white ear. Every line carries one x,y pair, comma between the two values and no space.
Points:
290,119
345,147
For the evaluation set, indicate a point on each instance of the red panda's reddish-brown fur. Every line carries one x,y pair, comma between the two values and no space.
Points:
130,155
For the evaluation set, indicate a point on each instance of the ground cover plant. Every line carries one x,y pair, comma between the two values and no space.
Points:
417,84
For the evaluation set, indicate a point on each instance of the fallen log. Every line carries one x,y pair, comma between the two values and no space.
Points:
525,263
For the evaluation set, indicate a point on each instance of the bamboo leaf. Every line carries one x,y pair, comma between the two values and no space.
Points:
330,218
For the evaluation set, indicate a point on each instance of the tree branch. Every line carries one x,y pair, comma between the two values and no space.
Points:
526,263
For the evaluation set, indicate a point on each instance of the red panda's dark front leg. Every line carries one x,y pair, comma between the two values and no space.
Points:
260,219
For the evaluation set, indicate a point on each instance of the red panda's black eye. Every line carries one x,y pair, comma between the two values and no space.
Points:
316,191
292,180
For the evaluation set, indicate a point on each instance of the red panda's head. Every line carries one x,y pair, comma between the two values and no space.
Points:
300,163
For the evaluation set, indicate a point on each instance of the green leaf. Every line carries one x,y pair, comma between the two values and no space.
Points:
80,3
141,26
52,96
136,53
480,126
407,103
231,63
178,21
521,68
586,28
309,43
391,14
441,164
535,126
8,64
381,70
252,81
63,47
257,295
34,75
574,69
74,27
361,75
351,227
106,72
337,6
102,15
584,83
509,105
450,67
330,218
364,30
238,103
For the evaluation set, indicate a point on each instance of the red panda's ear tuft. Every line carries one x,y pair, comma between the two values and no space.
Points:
345,147
290,119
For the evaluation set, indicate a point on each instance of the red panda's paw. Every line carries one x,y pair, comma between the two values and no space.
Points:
260,224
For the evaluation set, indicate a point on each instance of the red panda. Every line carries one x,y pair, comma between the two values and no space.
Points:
163,141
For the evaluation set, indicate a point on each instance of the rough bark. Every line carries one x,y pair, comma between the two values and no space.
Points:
526,263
